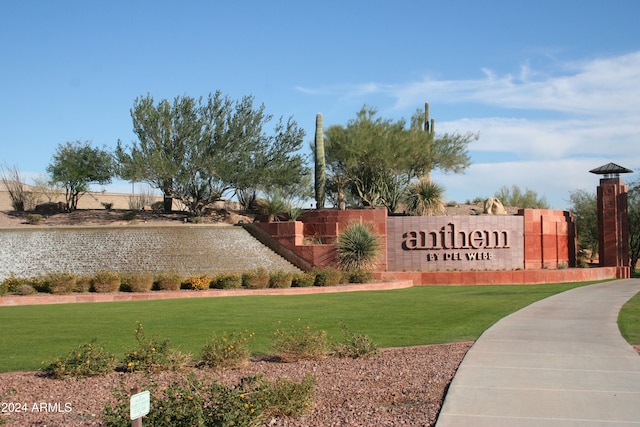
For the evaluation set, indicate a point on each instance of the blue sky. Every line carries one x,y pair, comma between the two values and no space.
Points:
552,87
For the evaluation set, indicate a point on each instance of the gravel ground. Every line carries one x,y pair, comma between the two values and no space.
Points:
398,387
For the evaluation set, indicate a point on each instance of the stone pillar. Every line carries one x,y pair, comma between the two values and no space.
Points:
613,226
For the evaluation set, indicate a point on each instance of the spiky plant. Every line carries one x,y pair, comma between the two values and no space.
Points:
425,198
358,247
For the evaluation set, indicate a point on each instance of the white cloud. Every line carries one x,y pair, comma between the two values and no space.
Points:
545,128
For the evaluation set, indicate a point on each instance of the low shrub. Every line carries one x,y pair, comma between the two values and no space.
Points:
179,403
25,289
83,283
105,282
196,402
138,282
299,342
227,351
59,283
280,279
227,281
34,219
11,283
354,344
199,283
87,360
360,276
303,280
153,355
257,279
169,281
287,398
129,215
201,402
328,276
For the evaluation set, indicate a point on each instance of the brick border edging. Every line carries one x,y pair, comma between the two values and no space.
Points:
44,299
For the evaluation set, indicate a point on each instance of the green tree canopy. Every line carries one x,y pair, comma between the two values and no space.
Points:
198,150
633,209
376,159
77,165
584,206
527,199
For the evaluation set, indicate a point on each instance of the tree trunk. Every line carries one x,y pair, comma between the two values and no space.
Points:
167,204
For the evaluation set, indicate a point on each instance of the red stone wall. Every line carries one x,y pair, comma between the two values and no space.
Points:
549,239
313,236
510,277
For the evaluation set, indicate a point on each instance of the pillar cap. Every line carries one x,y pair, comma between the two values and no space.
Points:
610,169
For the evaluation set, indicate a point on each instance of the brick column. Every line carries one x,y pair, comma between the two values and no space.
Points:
613,226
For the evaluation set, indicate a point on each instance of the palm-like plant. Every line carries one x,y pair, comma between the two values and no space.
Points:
358,247
425,198
274,207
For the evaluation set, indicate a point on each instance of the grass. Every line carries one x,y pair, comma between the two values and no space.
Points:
33,335
629,320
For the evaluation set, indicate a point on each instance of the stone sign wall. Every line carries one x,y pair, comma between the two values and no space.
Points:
442,243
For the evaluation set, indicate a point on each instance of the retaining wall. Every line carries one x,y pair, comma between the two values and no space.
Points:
85,250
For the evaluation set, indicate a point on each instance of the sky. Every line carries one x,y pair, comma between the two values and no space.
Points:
551,87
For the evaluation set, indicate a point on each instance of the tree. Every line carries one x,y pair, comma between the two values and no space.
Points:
170,138
633,209
198,150
584,206
528,199
77,165
376,159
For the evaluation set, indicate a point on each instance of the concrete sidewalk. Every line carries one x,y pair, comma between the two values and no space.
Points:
558,362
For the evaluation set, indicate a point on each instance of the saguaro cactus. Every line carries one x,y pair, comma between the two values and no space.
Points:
429,127
320,163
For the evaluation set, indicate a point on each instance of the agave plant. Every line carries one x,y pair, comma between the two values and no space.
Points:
425,198
358,247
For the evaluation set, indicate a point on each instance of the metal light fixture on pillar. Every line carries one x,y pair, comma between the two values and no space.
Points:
613,222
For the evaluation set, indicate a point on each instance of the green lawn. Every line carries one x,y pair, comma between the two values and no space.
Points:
629,320
420,315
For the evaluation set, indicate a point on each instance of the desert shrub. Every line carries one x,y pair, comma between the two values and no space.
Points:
83,284
11,283
34,219
201,402
105,281
87,360
169,281
358,247
227,281
287,398
180,403
299,342
327,276
153,355
129,215
280,279
25,289
107,205
138,282
257,279
198,283
303,280
354,344
227,350
360,276
59,283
